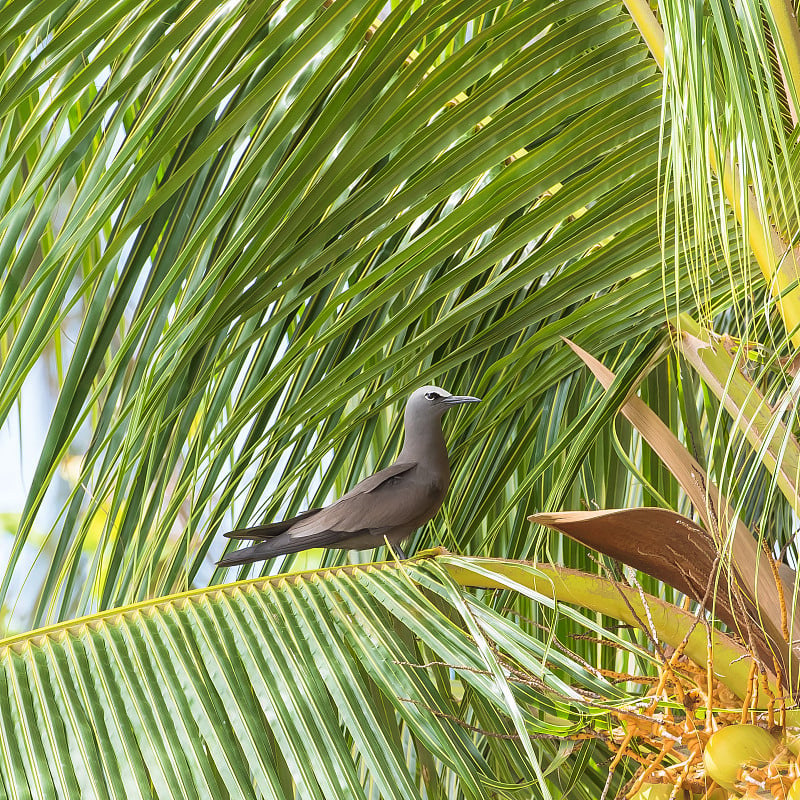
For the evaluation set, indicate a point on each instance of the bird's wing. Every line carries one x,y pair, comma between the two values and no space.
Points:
270,529
394,501
378,479
391,501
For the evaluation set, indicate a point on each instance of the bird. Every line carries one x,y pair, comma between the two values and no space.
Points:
389,505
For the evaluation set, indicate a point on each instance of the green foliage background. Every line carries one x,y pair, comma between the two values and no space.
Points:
273,220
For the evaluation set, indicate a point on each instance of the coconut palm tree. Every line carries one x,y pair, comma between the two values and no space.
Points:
244,233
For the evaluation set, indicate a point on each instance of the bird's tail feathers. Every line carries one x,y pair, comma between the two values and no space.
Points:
263,532
280,547
245,555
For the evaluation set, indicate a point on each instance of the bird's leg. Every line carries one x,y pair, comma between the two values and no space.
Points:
395,550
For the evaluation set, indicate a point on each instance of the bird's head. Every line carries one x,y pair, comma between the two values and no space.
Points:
432,402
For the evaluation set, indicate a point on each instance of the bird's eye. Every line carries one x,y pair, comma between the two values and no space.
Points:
432,395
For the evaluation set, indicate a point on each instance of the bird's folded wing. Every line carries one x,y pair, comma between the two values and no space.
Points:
388,505
379,479
272,529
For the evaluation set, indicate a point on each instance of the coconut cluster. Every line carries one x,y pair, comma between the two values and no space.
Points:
739,760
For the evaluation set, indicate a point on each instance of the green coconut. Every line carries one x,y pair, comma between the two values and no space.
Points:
737,747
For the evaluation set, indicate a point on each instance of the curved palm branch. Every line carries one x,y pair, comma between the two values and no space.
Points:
370,681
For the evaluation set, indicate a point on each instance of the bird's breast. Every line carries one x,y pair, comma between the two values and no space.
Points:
436,485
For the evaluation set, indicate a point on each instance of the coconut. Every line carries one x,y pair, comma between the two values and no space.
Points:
735,748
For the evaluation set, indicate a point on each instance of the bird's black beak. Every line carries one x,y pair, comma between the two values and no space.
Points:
456,400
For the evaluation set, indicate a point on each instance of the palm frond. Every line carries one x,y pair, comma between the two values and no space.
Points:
373,681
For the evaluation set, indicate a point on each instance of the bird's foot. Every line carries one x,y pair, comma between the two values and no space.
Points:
398,552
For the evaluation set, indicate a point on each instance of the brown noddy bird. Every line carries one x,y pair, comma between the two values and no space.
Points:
391,504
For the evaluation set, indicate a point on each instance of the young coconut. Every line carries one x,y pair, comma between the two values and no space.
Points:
733,749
